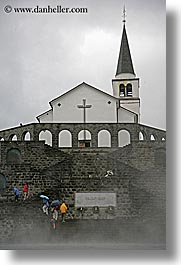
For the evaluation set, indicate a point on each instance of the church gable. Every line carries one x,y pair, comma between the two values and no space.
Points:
99,107
83,86
69,107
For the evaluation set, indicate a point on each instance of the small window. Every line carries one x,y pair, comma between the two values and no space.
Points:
122,90
129,90
26,136
141,136
152,137
13,137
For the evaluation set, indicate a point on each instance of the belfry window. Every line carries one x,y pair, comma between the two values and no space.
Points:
129,90
122,90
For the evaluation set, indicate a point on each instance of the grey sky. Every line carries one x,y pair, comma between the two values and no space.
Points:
44,55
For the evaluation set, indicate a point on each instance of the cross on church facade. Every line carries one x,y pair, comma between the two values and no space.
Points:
84,107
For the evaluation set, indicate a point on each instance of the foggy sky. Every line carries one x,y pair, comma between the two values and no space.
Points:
44,55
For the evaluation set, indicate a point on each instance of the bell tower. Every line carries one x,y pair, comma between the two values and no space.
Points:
126,84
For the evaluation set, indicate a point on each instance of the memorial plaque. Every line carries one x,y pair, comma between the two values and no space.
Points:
91,199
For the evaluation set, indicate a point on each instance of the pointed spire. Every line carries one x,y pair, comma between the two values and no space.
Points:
125,64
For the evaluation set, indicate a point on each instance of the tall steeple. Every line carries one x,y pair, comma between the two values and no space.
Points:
125,65
125,84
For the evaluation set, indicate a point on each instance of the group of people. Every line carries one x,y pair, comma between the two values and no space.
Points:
25,192
54,210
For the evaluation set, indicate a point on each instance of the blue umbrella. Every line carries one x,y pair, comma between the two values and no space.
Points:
44,197
55,203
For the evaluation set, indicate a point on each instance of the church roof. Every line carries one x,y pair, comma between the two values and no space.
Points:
74,88
125,64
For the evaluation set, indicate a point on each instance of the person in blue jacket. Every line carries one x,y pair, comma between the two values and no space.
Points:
45,206
16,193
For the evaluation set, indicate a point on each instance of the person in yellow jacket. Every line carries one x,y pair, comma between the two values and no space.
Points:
63,210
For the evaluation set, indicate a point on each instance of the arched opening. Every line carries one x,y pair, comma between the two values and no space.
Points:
152,137
13,156
46,135
163,139
2,183
122,90
141,136
13,137
65,139
123,138
104,138
129,92
26,136
84,138
1,139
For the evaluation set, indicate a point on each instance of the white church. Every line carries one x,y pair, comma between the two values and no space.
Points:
91,105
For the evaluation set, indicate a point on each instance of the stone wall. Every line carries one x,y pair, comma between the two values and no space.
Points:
20,221
36,159
136,168
133,129
139,180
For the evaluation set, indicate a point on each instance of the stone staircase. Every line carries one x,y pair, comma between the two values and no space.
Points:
25,226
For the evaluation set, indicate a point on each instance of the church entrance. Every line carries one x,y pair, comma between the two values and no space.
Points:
84,143
84,139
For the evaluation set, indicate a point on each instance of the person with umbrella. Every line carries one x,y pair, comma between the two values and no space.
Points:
45,203
55,206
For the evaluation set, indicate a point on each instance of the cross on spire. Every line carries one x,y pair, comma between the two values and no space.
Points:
124,15
125,64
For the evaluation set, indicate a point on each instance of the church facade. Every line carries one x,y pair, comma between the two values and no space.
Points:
123,106
110,182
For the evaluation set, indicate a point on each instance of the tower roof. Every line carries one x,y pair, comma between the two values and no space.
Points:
125,64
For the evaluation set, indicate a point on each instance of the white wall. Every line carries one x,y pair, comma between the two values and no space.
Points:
125,116
100,111
132,105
